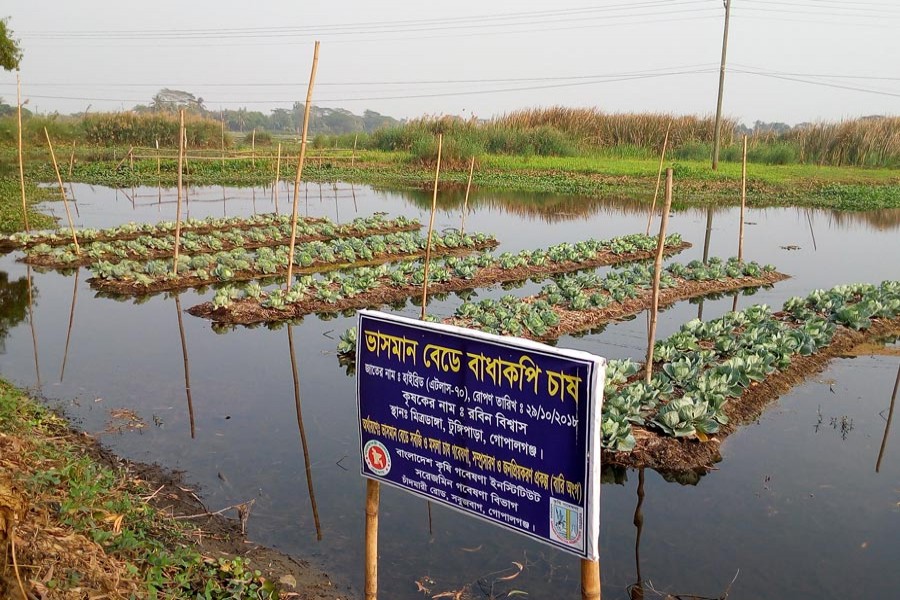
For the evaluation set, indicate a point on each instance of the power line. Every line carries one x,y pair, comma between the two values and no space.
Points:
819,83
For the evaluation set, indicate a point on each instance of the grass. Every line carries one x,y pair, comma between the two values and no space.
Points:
88,530
11,217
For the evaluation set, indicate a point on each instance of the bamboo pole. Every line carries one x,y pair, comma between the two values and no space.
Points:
462,225
437,172
178,209
223,139
62,371
887,426
21,155
253,148
590,580
306,460
657,271
131,158
309,91
373,492
158,163
740,254
187,367
62,191
353,154
72,161
662,158
277,178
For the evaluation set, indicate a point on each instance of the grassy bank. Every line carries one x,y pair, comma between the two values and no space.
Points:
11,216
80,524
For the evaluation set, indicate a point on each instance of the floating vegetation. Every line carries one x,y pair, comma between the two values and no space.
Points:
193,241
134,277
374,287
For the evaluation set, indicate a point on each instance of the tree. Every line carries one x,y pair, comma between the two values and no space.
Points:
167,100
10,53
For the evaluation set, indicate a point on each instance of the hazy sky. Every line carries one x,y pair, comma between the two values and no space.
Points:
790,60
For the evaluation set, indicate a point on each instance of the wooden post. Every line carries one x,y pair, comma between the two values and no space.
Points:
223,139
277,178
657,271
72,160
62,191
178,202
131,158
590,580
462,225
21,156
740,254
437,172
373,491
353,154
158,165
187,169
309,91
253,148
662,158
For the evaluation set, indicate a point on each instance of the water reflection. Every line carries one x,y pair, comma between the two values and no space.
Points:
306,461
636,590
887,425
187,367
14,304
37,364
62,371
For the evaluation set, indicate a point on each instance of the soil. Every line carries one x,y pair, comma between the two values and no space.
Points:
249,311
46,260
656,451
44,544
133,288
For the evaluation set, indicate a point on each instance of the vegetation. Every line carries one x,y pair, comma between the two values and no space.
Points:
10,52
91,531
11,217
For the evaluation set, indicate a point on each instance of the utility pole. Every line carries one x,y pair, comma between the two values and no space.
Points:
718,133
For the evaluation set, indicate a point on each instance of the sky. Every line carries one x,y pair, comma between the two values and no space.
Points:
789,61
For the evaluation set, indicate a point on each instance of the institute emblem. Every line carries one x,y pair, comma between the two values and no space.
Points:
566,522
377,457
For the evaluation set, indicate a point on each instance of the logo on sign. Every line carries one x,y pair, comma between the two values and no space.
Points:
377,458
566,522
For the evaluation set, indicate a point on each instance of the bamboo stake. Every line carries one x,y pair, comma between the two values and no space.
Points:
72,160
187,367
353,154
223,139
21,156
253,148
887,426
462,225
309,91
131,158
62,191
178,209
662,157
277,178
373,492
62,371
657,271
590,580
158,164
306,460
740,254
437,172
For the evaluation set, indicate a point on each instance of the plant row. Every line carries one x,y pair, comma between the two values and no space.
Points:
375,286
239,264
698,370
193,241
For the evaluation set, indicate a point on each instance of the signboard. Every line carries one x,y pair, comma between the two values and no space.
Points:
501,428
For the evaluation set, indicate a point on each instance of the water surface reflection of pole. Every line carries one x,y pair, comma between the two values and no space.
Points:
887,426
187,368
306,462
37,367
636,591
62,371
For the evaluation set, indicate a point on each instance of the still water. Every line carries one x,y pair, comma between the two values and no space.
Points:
796,508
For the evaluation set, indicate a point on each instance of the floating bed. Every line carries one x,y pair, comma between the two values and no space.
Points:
139,278
369,288
161,245
131,231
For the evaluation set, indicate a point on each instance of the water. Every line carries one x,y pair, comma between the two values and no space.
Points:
795,509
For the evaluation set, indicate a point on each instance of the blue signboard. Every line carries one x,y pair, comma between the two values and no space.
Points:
502,428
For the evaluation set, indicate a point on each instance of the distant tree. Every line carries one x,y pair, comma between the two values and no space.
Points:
373,120
10,53
167,100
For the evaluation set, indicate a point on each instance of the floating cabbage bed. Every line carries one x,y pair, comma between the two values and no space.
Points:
130,277
710,377
130,231
367,287
162,244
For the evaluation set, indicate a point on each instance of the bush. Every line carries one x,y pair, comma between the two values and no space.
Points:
145,129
